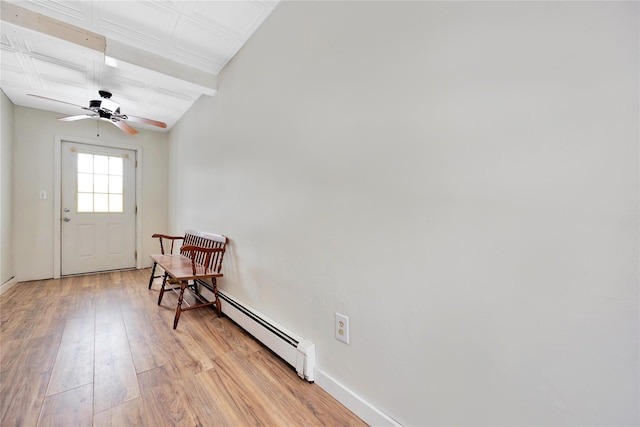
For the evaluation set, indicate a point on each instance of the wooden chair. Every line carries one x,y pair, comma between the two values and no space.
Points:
199,260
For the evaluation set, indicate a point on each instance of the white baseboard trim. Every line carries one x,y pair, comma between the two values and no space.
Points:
367,412
7,285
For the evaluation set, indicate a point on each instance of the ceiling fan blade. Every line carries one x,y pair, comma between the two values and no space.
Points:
74,118
147,121
124,126
56,100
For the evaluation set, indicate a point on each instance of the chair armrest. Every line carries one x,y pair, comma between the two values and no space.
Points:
164,236
192,250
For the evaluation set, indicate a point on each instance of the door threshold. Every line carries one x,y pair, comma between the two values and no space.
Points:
98,272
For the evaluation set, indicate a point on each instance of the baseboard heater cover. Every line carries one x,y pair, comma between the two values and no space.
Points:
293,349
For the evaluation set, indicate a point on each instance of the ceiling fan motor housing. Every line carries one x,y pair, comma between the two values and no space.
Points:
109,105
105,104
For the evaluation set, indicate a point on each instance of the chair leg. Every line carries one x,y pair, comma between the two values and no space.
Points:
161,294
215,294
219,306
164,283
153,271
164,278
196,288
183,286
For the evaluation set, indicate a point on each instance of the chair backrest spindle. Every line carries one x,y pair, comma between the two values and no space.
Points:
211,260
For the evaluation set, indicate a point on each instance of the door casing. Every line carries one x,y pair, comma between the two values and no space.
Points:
57,195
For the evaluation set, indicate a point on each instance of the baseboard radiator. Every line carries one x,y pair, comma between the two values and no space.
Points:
295,350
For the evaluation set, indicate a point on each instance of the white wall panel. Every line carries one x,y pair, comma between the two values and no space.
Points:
7,269
459,178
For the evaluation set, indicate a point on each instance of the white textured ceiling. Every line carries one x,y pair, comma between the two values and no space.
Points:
169,53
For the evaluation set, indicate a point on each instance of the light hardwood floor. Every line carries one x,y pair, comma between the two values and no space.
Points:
98,350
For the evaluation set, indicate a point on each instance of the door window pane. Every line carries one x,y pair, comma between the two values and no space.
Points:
115,165
115,202
101,164
100,202
85,202
85,163
100,183
85,183
115,184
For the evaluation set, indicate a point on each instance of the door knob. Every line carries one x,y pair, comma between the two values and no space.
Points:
66,219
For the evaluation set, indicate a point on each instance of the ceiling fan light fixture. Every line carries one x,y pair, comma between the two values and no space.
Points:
111,61
109,105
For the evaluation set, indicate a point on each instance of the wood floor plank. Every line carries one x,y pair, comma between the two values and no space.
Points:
115,379
70,408
183,350
243,405
275,393
225,336
25,369
130,413
319,406
80,304
28,290
48,321
145,342
163,396
201,395
75,358
165,408
18,324
185,340
168,344
108,307
165,375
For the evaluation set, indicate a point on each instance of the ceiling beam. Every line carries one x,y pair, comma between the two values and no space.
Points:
206,83
26,18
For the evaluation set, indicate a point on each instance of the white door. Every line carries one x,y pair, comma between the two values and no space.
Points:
98,208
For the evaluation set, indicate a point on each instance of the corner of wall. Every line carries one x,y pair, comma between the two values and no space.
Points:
8,285
7,267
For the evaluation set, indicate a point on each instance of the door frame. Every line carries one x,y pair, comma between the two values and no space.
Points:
57,194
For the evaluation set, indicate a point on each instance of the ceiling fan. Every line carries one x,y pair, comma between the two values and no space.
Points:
106,109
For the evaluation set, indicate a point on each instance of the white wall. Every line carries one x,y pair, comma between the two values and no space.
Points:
460,178
6,217
35,132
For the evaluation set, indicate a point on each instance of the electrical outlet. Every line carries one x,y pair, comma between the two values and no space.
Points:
342,328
